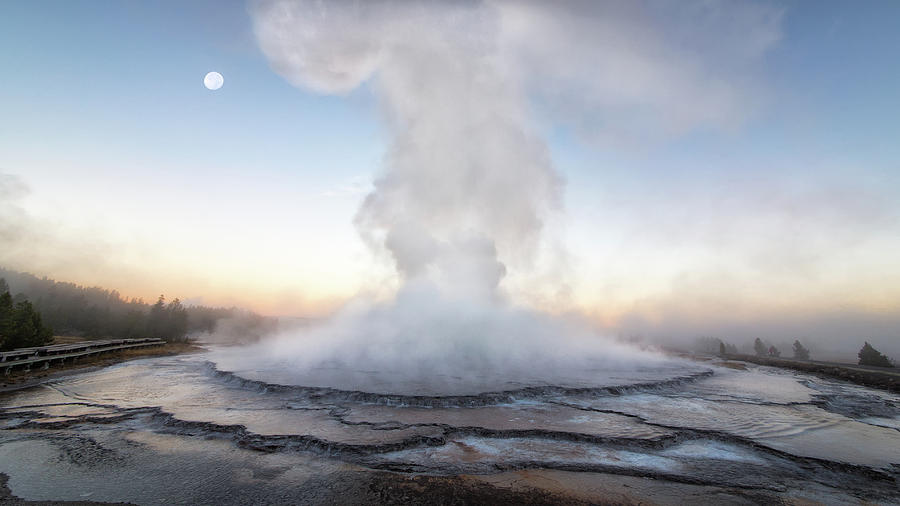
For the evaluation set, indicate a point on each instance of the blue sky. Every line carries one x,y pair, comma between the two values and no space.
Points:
127,72
106,121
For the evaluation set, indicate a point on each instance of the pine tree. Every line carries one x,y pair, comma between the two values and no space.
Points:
134,324
6,314
800,351
27,328
870,356
176,321
156,320
759,348
42,334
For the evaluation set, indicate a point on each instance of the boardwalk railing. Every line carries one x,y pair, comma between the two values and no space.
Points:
43,356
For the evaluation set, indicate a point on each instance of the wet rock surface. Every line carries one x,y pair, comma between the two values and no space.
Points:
177,429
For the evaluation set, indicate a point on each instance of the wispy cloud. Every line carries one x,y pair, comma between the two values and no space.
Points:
636,71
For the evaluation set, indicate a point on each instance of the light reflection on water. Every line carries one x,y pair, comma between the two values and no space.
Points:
758,420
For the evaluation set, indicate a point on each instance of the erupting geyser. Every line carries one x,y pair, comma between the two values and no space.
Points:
466,187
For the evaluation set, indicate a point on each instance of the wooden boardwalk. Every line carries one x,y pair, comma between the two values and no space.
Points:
44,356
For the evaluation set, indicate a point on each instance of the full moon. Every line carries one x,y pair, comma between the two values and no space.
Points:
213,80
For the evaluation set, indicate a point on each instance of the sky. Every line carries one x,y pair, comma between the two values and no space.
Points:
725,168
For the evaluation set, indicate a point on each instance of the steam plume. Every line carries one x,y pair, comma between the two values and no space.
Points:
467,181
467,184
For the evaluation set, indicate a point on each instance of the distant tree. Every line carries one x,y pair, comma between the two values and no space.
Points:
92,321
156,320
176,321
727,349
774,352
133,324
6,318
800,351
708,345
759,348
25,328
168,321
42,333
870,356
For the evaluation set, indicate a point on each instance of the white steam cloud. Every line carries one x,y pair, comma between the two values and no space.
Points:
468,185
467,178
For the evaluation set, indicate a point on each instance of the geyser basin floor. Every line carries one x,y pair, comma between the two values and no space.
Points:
123,433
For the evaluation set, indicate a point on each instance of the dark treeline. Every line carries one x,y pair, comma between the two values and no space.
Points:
71,309
868,355
20,325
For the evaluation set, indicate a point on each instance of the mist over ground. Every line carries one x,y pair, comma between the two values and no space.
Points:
433,342
836,336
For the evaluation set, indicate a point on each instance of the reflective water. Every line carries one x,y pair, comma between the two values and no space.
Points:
783,433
